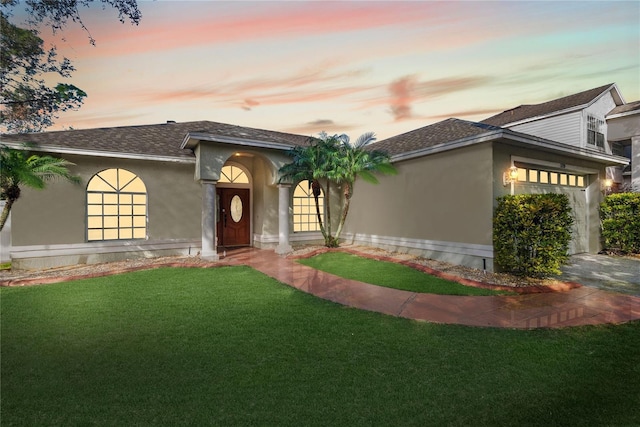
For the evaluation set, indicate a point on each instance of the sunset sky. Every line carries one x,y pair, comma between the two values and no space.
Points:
344,67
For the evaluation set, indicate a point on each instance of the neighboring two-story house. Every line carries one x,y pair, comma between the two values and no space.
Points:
597,119
623,132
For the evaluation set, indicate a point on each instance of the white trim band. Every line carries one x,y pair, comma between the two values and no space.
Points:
467,249
36,251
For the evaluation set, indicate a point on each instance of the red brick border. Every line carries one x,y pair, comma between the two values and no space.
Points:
556,286
58,279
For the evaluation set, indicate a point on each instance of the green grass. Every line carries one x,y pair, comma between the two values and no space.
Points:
390,275
5,266
230,346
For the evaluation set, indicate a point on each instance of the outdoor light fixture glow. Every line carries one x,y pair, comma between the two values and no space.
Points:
607,184
510,176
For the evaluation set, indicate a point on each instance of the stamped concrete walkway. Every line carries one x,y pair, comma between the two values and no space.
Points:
617,274
581,306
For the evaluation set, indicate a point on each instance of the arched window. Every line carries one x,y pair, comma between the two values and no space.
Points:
305,217
233,175
116,206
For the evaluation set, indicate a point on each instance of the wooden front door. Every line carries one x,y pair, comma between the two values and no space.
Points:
234,219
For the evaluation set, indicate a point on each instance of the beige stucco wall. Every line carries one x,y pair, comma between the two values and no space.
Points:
211,156
450,197
57,215
442,197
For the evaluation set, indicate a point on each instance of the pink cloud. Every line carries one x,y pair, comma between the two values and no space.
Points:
405,91
315,127
402,95
248,104
210,24
445,86
320,84
80,120
478,114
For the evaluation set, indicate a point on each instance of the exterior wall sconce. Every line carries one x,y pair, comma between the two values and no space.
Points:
607,184
510,176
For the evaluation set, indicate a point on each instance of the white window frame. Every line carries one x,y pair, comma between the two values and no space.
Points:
119,205
595,131
305,217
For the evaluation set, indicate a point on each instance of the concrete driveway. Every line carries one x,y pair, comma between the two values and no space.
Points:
618,274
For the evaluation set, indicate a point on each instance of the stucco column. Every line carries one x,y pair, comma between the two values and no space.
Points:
209,239
635,163
283,220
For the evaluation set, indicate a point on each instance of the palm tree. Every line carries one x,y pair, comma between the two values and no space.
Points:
357,161
309,163
334,160
18,168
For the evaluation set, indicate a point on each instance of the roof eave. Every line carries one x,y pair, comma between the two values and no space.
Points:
520,138
98,153
460,143
623,114
618,101
192,139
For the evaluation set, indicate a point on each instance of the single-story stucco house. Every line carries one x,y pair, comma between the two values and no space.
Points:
204,187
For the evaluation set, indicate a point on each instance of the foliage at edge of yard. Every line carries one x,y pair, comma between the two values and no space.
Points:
620,218
531,234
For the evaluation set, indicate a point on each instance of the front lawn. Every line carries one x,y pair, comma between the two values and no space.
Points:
390,275
231,346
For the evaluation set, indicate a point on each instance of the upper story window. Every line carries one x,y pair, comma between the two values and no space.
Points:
305,216
116,206
595,131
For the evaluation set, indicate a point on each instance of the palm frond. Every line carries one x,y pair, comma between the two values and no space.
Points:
365,139
368,177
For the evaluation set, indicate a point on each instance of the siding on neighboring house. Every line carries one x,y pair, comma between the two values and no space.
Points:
565,128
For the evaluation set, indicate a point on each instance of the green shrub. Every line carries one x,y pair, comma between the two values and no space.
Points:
620,216
531,233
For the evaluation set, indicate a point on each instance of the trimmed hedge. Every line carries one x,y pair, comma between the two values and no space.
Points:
620,216
531,234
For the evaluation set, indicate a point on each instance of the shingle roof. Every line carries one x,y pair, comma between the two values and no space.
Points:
625,108
151,140
523,112
448,130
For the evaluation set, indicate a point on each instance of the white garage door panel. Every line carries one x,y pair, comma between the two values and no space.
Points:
578,202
